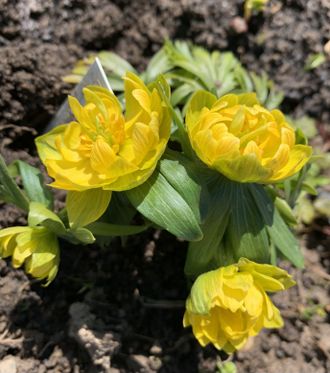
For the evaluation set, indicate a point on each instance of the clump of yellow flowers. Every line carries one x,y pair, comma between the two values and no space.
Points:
228,305
132,150
238,137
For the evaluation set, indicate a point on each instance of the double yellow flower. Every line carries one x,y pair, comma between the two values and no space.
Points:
242,140
228,305
105,150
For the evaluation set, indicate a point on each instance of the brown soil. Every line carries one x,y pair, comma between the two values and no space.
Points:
126,302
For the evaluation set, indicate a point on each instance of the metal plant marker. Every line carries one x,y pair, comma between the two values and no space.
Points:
95,76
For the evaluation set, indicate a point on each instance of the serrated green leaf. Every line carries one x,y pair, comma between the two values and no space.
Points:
34,184
158,201
159,64
274,99
182,58
180,93
243,79
260,85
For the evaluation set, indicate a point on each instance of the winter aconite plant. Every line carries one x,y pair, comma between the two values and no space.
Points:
194,145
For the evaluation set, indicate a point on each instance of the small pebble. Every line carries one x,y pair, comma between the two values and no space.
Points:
8,365
156,350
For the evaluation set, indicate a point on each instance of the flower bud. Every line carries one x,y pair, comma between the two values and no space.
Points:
36,247
228,305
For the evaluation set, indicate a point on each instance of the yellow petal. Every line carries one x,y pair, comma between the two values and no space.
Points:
288,137
76,108
143,99
8,240
252,148
86,207
102,156
143,140
248,99
298,157
267,271
244,168
131,83
280,159
253,302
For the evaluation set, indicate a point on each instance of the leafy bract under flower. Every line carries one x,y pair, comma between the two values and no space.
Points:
242,140
228,305
36,247
105,148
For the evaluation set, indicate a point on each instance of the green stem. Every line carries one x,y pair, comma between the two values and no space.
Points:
11,188
295,194
186,148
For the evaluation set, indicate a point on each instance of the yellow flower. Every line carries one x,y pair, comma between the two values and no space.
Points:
228,305
36,247
104,148
242,140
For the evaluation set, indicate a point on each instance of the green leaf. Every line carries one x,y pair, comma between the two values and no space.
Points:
205,255
159,64
233,228
285,211
9,189
185,178
227,367
116,83
309,188
285,241
158,201
163,87
40,215
243,78
83,235
181,93
34,184
180,55
314,61
246,235
278,231
260,85
106,229
114,63
275,97
306,124
87,206
263,202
